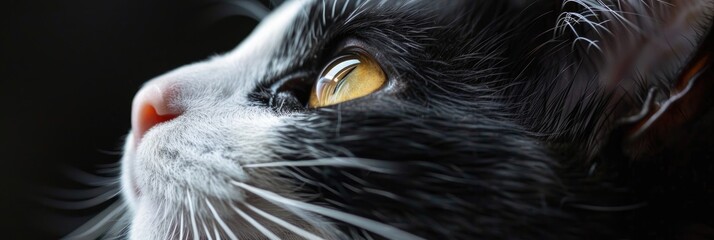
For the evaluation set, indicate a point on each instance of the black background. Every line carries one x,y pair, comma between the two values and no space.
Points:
69,72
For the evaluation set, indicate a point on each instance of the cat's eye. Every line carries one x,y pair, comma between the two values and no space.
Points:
348,77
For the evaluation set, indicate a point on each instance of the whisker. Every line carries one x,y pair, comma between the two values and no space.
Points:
361,163
96,226
193,215
215,231
382,229
79,193
110,152
118,232
256,224
205,230
173,228
283,223
88,179
248,8
300,176
181,228
165,215
220,221
83,204
120,227
109,171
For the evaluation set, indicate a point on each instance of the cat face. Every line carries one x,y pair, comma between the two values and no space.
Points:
449,141
239,140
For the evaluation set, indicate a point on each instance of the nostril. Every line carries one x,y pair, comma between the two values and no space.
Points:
148,117
151,107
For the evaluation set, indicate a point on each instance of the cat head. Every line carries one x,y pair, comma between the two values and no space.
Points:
386,119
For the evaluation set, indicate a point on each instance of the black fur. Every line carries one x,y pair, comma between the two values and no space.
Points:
497,129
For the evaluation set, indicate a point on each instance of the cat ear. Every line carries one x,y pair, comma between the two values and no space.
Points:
683,119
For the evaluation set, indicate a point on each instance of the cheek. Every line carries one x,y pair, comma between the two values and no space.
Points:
202,154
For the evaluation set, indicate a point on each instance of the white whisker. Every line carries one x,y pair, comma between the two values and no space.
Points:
108,171
88,179
96,226
252,9
362,163
223,225
344,6
215,231
71,194
334,5
368,224
193,215
181,228
205,230
83,204
256,224
283,223
173,228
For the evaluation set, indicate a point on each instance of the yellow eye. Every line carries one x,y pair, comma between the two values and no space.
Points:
345,78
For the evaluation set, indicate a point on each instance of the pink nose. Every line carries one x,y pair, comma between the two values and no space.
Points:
151,107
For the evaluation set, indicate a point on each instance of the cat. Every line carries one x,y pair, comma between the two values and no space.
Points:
369,119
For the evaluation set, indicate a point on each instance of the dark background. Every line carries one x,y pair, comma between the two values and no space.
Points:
69,72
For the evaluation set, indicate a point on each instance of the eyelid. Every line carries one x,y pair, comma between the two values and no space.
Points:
281,83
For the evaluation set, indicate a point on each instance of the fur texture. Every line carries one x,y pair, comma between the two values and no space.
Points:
499,121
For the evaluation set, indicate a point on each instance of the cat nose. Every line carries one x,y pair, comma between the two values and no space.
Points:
151,107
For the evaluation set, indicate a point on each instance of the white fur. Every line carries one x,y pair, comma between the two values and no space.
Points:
182,169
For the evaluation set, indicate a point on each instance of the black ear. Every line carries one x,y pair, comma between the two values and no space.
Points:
680,122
